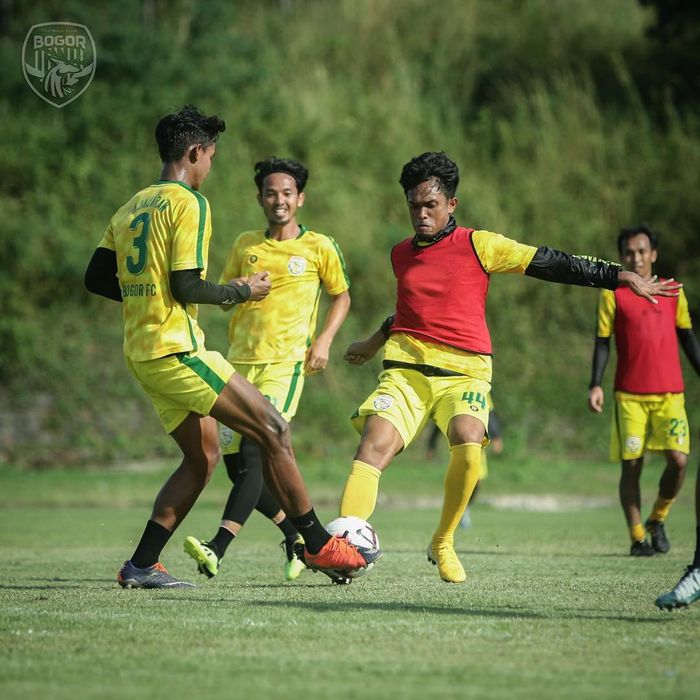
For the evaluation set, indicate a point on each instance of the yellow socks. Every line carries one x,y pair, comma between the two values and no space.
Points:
661,508
360,493
460,480
637,532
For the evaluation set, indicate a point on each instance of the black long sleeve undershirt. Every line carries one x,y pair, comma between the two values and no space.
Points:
601,353
691,347
101,274
187,286
556,266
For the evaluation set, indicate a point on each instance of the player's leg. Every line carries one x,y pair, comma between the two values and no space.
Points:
669,432
293,542
687,590
247,479
197,438
241,407
461,410
387,420
630,428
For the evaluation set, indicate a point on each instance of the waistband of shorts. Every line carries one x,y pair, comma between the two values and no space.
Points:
427,370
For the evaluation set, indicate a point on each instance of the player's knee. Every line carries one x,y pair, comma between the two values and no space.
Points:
211,457
677,460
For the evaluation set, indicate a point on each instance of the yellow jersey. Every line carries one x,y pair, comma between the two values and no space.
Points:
281,326
162,228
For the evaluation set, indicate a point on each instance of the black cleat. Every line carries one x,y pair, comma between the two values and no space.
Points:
642,549
659,541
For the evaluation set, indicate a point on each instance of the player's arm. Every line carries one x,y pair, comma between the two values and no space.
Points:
101,274
689,342
188,287
319,351
684,332
556,266
361,351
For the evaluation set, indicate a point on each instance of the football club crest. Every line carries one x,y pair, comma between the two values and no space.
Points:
296,265
59,61
382,402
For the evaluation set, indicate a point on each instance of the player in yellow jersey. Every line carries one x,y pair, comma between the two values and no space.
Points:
437,356
153,259
649,408
272,344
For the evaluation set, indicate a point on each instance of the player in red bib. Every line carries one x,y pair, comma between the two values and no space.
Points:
437,356
649,403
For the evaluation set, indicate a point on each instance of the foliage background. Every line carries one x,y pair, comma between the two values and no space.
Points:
568,118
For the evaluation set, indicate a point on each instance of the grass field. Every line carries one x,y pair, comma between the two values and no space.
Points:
553,606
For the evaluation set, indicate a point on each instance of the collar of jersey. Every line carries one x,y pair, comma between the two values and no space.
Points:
174,182
418,244
302,231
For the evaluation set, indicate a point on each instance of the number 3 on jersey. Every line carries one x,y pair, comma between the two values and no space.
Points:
140,242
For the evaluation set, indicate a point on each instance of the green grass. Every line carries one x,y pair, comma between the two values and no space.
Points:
552,608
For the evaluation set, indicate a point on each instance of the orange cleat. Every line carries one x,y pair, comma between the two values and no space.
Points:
339,555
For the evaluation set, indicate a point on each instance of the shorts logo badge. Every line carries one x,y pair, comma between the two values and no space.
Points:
225,435
59,61
296,265
474,408
633,444
253,259
382,402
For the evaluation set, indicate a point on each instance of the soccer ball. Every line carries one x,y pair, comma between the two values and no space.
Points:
358,532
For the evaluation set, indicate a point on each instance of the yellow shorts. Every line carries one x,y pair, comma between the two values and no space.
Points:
408,399
281,383
182,383
657,424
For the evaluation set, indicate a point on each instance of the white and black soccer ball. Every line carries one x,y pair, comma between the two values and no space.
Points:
358,532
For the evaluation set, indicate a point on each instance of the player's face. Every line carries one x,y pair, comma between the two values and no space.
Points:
638,255
202,157
280,199
429,208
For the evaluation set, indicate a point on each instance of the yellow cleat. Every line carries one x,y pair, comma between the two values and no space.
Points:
295,558
449,566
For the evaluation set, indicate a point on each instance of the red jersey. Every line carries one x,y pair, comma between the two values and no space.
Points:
441,292
648,360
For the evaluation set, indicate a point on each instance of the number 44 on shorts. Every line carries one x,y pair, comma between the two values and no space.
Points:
471,398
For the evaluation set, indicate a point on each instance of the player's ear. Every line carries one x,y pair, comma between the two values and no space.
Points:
653,255
259,198
194,153
300,199
452,204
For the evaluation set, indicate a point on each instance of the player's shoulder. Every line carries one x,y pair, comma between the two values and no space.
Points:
313,239
247,238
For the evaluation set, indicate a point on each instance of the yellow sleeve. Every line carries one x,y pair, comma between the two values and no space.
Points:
232,268
108,239
682,312
606,313
500,254
331,268
189,225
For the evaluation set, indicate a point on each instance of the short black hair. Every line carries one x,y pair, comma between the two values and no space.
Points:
431,166
627,233
175,133
273,164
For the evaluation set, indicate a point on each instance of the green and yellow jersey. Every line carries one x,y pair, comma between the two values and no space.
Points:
162,228
497,254
281,327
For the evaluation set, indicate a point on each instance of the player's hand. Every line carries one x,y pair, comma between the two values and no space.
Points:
648,289
317,356
360,351
596,397
260,286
